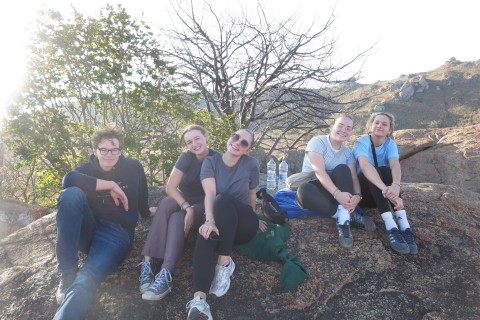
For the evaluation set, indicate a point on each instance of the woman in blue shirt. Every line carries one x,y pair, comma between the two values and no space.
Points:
380,174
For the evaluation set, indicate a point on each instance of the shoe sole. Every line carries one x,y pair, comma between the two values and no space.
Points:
145,289
154,297
196,314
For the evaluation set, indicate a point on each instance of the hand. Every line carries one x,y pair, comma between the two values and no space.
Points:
343,197
398,203
119,196
189,217
153,210
262,225
395,188
206,229
352,203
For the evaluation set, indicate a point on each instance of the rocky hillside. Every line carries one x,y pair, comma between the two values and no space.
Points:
440,155
368,282
448,96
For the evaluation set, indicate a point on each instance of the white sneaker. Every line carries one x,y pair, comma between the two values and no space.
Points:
197,308
221,281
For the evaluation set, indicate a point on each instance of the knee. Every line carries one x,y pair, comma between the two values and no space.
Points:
72,194
306,190
223,199
342,169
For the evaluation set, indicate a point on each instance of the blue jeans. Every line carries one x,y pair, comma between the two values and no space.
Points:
106,244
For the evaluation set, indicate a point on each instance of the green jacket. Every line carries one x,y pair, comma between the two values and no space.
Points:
270,246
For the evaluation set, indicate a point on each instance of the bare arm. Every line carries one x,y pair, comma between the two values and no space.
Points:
210,187
318,165
371,173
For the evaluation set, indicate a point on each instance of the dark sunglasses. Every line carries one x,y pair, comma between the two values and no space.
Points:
243,142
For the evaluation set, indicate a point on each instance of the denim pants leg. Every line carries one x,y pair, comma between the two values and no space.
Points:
75,228
110,245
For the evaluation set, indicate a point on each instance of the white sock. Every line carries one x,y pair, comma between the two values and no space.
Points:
342,215
402,220
388,219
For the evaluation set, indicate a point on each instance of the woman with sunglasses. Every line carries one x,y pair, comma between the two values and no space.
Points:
230,182
334,190
175,215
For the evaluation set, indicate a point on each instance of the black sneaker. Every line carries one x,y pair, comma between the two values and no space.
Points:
360,221
344,235
409,237
146,276
397,242
66,281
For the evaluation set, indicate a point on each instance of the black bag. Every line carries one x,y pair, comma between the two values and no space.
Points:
270,208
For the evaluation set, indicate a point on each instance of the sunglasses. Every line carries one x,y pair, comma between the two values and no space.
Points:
244,143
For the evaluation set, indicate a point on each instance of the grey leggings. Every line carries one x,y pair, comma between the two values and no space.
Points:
165,238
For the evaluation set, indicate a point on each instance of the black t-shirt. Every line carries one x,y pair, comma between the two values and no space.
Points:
188,163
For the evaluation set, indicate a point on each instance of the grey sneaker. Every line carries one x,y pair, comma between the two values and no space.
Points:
221,281
409,238
397,241
160,287
344,235
66,281
361,222
146,275
197,308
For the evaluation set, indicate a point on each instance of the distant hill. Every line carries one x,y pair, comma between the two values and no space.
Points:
448,96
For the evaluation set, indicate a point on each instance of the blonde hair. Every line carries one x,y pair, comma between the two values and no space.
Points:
390,116
342,115
191,128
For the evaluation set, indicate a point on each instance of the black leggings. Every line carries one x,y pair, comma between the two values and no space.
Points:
372,195
315,197
237,223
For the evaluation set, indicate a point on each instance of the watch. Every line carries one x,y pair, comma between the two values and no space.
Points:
358,194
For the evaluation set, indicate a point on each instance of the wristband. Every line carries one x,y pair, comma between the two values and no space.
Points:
184,205
335,193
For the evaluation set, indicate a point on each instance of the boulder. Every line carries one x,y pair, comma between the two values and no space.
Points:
446,156
369,281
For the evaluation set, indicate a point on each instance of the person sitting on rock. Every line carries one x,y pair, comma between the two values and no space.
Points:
335,189
230,182
97,213
380,175
175,215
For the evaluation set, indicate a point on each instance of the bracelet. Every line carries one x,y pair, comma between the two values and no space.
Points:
183,207
358,194
334,193
398,184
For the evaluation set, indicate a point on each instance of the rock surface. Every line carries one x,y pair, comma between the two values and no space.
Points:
369,281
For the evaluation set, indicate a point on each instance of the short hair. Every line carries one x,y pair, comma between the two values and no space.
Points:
108,132
191,128
382,113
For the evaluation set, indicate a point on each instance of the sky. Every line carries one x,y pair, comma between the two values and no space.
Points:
409,36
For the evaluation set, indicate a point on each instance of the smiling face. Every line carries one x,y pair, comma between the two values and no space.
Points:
341,130
196,142
239,143
111,148
381,126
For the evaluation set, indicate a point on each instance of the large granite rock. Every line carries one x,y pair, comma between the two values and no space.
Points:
445,156
368,282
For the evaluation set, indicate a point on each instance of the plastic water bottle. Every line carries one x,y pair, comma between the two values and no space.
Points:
282,174
271,175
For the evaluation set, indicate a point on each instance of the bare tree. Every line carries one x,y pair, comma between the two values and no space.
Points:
278,78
